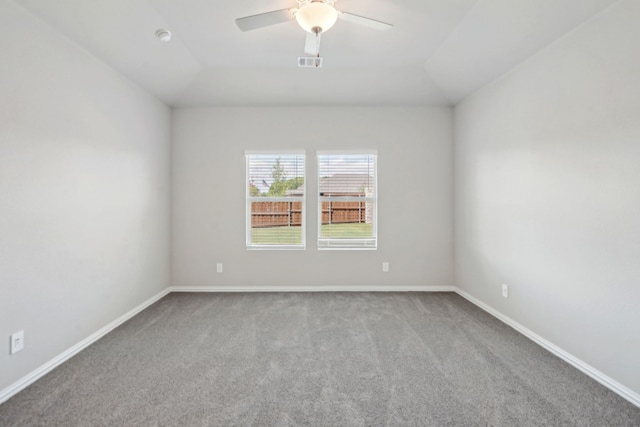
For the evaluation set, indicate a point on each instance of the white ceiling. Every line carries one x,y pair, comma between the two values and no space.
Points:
438,52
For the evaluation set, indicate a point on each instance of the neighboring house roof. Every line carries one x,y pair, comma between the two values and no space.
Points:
340,184
343,183
295,192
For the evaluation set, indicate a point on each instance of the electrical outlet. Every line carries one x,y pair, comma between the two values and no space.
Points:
17,342
385,267
219,267
505,290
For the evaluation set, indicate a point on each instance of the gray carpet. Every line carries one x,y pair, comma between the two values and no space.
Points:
330,359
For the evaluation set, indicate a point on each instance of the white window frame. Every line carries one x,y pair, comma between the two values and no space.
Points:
249,199
369,243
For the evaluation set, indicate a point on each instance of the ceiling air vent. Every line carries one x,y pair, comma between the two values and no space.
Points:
309,62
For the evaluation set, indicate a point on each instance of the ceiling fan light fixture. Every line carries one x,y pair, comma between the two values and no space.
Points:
316,15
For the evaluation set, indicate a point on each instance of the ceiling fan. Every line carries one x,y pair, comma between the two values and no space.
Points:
314,16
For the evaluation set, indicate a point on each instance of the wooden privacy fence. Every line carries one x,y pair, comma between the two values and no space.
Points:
343,212
283,214
276,214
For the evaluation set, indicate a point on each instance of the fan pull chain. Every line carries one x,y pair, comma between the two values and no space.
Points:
317,31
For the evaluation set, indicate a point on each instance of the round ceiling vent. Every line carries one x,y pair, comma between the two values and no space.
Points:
163,35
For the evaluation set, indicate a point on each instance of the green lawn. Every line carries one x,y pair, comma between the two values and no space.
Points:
346,230
293,235
276,235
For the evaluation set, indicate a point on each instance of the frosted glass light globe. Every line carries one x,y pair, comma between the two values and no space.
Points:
316,14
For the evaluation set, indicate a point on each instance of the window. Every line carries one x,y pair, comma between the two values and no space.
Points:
347,200
275,195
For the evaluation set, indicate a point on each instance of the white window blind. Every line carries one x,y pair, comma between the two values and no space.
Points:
275,193
347,200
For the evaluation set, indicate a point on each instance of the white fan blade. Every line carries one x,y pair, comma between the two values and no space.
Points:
312,43
254,22
367,22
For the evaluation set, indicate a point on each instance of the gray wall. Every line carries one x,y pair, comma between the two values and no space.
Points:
84,194
547,193
415,192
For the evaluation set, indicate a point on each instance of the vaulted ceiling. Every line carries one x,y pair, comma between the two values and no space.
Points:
437,53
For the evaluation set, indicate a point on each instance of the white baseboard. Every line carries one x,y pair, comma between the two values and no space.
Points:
312,289
589,370
30,378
